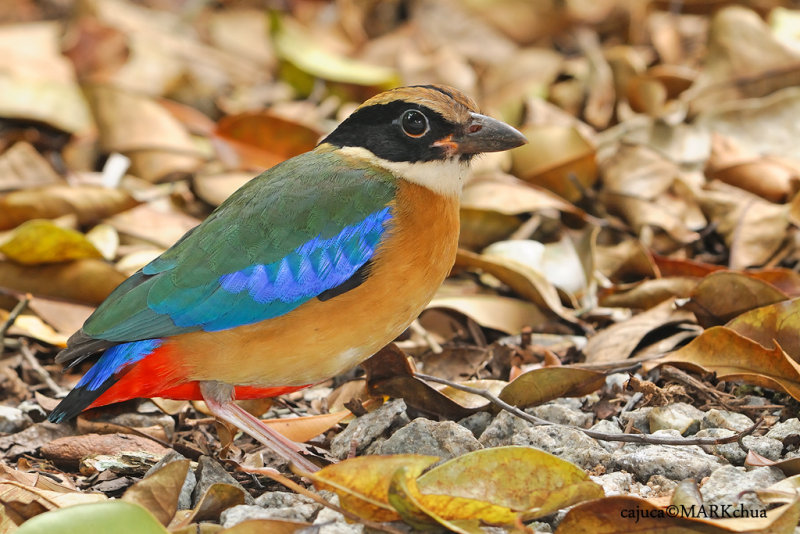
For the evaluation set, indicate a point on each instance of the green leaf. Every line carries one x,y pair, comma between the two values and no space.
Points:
118,517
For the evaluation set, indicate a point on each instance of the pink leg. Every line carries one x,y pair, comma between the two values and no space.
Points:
219,399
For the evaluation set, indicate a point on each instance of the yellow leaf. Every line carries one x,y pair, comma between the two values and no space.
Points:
523,479
41,241
362,484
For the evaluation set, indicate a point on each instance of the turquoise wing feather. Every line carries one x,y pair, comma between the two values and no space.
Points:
302,228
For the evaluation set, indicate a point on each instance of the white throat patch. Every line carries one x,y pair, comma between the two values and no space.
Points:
443,177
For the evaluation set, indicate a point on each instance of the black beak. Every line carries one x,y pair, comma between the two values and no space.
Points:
485,134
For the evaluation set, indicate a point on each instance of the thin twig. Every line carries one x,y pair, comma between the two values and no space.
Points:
18,309
26,352
294,486
417,328
627,438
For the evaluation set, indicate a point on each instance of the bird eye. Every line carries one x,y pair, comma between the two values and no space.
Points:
414,123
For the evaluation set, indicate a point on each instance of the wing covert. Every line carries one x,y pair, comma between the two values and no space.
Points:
274,244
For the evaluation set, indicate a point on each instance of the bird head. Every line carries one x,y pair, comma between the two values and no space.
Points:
426,134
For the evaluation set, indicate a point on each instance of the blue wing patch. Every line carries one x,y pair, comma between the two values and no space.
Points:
114,359
264,291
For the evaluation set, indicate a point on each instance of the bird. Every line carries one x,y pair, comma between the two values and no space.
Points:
301,274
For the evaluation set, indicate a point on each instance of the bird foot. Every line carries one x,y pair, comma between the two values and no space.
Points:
219,399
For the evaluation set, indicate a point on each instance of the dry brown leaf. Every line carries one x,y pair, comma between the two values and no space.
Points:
159,491
638,171
37,82
260,140
22,167
722,295
493,311
617,342
389,373
647,293
752,228
159,222
557,158
762,176
684,267
742,49
625,260
667,213
65,317
83,281
21,502
33,327
508,195
762,125
302,429
770,325
548,383
215,188
734,357
525,281
140,128
217,498
89,203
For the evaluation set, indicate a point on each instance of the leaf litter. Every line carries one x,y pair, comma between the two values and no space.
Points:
632,269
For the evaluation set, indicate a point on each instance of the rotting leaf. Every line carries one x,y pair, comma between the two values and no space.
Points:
525,480
160,491
734,357
362,483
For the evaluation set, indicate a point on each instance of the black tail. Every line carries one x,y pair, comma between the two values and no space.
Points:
78,400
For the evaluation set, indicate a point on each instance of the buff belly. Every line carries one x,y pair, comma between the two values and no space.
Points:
320,339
